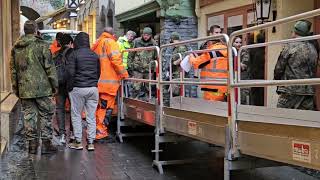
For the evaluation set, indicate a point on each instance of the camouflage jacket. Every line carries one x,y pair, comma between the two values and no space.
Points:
33,72
140,60
245,59
175,56
297,60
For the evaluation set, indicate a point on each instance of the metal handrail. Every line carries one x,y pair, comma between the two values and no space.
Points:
160,80
204,50
251,46
264,83
232,114
296,17
213,37
149,81
233,35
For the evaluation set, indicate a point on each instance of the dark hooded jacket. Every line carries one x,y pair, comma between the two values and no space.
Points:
83,66
33,73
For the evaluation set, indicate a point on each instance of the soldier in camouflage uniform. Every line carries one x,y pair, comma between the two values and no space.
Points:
244,56
138,63
34,80
297,61
175,63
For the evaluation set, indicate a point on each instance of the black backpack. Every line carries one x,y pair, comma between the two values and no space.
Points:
60,62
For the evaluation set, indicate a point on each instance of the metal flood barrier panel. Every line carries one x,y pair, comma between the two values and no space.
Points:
207,123
141,111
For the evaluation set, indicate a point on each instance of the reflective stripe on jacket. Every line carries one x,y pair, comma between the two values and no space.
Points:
112,69
123,45
214,66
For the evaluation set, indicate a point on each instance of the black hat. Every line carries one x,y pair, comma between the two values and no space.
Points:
65,39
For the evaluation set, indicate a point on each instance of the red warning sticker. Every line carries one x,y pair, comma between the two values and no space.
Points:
192,128
301,151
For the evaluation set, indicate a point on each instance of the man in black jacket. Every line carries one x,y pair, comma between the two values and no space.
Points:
60,62
83,72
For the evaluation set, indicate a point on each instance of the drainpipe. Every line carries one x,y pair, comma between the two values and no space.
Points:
197,9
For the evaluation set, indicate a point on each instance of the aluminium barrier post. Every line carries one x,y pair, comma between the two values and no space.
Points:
124,87
161,82
182,81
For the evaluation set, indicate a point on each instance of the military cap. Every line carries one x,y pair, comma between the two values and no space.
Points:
175,36
302,28
147,30
132,33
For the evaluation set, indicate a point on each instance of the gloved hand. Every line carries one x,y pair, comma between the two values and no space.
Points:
103,104
107,118
124,75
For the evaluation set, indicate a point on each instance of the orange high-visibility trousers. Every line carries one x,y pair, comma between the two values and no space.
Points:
102,130
212,96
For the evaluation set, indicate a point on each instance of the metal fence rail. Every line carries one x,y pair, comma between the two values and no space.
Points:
261,83
285,41
124,90
161,82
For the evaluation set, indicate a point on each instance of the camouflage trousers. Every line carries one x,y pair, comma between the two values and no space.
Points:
296,102
37,112
140,90
244,95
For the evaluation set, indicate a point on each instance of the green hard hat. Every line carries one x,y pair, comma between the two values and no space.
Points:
302,28
175,36
147,30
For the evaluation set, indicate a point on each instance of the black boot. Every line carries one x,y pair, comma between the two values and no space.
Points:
33,146
107,118
47,147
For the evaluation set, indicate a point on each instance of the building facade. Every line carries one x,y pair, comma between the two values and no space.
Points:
94,15
164,17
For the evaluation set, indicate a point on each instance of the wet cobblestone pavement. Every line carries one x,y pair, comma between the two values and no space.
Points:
131,161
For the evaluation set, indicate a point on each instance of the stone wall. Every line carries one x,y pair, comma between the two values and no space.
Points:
186,27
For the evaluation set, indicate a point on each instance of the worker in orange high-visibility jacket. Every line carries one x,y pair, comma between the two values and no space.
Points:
55,45
214,66
111,72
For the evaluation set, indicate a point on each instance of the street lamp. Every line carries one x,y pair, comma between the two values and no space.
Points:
262,10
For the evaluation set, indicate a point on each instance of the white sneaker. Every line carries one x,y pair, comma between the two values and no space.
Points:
62,139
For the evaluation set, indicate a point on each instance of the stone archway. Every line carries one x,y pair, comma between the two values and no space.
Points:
110,13
31,14
103,16
110,18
